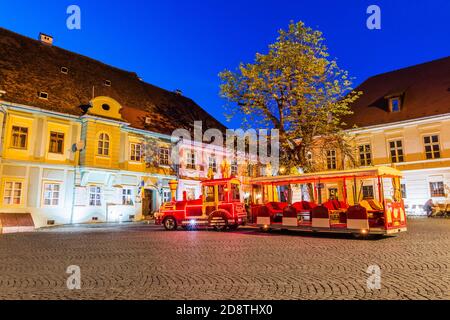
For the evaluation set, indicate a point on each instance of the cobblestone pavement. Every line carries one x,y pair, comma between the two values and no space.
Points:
145,262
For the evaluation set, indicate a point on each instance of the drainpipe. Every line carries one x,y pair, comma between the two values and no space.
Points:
77,155
2,140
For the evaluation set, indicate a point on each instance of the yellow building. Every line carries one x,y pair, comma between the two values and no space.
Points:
82,141
403,120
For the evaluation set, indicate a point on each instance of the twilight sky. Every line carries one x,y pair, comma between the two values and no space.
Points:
185,44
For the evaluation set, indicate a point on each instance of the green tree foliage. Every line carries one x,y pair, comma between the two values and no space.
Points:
297,88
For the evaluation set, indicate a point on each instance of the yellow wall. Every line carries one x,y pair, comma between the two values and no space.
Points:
38,138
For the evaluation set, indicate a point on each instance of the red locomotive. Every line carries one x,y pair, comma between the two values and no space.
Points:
220,207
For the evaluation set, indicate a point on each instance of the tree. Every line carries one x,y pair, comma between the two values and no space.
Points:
297,89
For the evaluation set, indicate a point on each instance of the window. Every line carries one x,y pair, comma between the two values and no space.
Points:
332,193
396,149
51,194
234,168
19,137
221,192
107,83
12,193
331,160
365,155
403,190
432,149
148,120
56,142
103,144
395,104
309,158
136,152
212,163
127,197
437,189
190,192
208,193
64,70
43,95
95,196
368,192
235,192
106,107
167,196
164,156
190,164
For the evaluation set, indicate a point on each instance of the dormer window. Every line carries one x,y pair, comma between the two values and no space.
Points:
43,95
64,70
395,104
107,83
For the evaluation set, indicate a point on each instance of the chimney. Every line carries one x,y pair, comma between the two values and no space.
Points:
178,92
45,39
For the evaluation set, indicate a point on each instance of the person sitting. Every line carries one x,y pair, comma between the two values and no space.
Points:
428,207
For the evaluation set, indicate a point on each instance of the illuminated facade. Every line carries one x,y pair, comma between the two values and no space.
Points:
403,120
85,142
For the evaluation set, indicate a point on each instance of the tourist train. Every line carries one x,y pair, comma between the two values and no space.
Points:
316,202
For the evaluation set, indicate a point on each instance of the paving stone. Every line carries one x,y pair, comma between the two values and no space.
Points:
145,262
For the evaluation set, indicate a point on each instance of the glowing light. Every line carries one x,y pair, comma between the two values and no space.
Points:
192,222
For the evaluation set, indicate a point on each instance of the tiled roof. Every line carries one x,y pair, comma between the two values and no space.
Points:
27,67
424,90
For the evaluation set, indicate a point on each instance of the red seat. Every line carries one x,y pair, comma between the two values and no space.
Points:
357,213
290,212
320,212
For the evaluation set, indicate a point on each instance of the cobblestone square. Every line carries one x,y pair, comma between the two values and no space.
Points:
144,262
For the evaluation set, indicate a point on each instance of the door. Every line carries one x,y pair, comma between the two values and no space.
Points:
148,203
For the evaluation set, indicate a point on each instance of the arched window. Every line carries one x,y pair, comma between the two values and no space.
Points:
103,144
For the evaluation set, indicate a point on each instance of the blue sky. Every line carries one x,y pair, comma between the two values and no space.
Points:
185,44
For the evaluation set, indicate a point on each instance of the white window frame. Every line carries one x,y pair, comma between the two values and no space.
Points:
443,188
166,195
128,196
136,152
98,201
103,144
52,192
13,189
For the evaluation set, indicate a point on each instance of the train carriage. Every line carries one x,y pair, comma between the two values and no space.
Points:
331,202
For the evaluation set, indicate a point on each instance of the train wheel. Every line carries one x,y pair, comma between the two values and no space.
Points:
219,221
233,227
170,224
